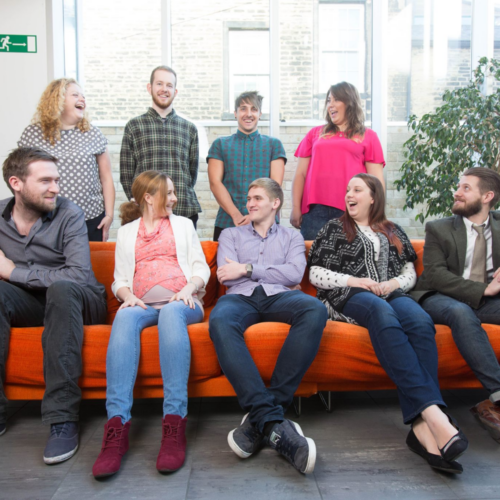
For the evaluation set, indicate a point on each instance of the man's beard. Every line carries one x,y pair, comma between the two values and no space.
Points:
36,205
468,209
160,104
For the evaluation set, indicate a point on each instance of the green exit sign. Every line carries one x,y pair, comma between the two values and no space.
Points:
18,43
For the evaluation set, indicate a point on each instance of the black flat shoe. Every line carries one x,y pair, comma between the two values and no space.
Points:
457,445
435,461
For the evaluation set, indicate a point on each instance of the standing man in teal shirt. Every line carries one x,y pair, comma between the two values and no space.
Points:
235,161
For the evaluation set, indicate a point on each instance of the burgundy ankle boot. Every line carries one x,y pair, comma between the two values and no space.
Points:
173,444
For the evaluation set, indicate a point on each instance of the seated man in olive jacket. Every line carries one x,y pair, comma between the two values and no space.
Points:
460,285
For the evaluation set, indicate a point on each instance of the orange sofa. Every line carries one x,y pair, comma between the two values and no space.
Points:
345,361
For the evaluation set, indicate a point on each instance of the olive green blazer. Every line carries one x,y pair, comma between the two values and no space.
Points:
444,260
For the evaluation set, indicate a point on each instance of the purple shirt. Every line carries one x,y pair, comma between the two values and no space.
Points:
279,259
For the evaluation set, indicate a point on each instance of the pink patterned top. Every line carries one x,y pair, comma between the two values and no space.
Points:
156,260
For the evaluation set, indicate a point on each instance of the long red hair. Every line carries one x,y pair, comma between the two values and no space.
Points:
376,218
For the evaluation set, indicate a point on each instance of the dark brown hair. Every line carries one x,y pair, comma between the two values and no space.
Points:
349,95
164,68
149,182
489,180
18,162
251,96
376,219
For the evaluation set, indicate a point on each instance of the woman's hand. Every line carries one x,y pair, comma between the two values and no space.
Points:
389,286
105,225
367,284
131,300
296,217
186,295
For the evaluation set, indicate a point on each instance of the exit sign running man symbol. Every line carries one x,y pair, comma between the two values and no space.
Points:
18,43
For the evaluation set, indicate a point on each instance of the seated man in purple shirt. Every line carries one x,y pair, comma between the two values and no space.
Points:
261,263
46,279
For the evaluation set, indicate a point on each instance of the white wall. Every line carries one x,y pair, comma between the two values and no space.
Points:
23,76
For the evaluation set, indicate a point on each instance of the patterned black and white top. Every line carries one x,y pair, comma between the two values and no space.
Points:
77,164
332,251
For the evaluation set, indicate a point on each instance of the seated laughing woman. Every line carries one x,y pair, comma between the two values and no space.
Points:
362,265
160,275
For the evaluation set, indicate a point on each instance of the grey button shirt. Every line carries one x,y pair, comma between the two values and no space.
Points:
56,249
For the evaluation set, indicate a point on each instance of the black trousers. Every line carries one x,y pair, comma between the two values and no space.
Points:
63,309
94,233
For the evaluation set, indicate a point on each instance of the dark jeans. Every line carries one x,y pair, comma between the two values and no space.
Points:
194,218
230,318
217,231
316,218
403,337
63,309
470,337
94,233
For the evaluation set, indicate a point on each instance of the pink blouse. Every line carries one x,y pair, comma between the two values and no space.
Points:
156,260
334,161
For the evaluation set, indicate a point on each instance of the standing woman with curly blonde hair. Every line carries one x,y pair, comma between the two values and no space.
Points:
62,128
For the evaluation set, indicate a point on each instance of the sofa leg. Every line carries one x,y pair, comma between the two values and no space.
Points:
327,403
297,405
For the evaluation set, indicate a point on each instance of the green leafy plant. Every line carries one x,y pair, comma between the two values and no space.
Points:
464,132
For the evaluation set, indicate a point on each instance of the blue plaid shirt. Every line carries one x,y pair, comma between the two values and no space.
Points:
245,158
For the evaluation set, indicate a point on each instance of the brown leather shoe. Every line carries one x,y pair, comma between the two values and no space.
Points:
114,446
173,444
488,415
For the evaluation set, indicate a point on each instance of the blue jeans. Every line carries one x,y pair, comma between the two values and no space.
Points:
124,349
470,337
316,218
403,337
230,318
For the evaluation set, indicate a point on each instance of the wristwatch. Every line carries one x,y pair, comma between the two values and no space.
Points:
249,268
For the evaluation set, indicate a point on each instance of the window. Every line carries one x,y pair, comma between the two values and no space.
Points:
70,39
342,45
248,65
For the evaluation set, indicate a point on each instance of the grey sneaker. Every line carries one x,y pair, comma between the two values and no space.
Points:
300,451
62,443
246,439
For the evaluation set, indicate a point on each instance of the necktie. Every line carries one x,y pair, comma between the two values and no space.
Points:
478,268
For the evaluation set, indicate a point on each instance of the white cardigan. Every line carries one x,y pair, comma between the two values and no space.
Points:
189,253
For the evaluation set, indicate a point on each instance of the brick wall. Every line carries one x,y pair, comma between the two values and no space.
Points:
290,136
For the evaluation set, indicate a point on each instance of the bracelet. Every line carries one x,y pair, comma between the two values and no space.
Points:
196,287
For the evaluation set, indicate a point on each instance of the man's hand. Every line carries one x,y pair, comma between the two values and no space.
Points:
240,220
494,287
6,267
231,271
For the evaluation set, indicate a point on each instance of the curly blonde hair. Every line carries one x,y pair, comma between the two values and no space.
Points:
50,107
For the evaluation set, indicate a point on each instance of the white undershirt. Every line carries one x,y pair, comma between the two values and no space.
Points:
471,241
325,279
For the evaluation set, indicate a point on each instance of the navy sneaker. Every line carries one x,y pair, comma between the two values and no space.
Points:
3,428
245,440
300,451
62,443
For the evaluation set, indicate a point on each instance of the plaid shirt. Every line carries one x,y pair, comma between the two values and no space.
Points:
170,145
245,158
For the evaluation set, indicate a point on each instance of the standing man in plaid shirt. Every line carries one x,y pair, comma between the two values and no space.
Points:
235,161
162,140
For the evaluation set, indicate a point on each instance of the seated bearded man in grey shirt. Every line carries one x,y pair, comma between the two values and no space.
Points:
261,264
46,279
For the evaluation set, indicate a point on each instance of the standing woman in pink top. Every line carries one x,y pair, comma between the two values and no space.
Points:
160,276
329,156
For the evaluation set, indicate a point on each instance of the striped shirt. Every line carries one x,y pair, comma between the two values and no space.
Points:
246,157
169,145
278,260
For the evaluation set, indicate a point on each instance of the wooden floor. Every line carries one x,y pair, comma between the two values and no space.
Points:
361,455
